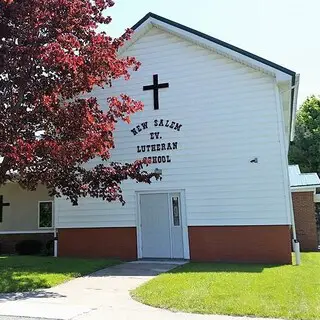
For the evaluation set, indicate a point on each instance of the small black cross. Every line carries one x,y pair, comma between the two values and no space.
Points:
155,87
2,204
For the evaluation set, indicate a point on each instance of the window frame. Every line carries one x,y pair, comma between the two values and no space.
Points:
52,215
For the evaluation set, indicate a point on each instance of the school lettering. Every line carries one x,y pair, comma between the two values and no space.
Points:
155,136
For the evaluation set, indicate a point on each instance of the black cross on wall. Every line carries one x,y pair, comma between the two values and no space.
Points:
155,87
2,204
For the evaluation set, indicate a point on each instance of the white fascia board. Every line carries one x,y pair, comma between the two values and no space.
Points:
305,189
137,34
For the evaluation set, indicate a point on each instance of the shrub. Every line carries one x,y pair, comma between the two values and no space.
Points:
28,247
49,250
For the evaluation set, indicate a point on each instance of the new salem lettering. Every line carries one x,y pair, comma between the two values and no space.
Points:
156,147
157,123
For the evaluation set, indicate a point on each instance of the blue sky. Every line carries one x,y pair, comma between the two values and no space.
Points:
284,31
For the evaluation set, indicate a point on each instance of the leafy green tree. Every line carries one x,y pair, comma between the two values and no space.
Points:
305,149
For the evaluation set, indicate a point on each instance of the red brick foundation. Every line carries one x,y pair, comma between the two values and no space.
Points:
98,243
305,220
9,241
254,244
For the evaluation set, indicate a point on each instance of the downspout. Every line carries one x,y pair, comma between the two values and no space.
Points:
295,242
55,243
55,238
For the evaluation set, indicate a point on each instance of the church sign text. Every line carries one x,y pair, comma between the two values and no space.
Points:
154,146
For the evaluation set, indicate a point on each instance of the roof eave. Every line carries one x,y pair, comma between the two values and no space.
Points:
309,188
215,40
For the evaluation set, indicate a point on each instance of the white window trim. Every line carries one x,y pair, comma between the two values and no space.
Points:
27,232
45,228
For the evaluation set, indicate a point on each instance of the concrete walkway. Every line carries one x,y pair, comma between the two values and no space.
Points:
102,295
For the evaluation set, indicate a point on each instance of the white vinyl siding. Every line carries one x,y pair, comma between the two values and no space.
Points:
228,114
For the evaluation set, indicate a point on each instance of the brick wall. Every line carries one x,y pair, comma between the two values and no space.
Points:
118,242
305,219
257,244
9,241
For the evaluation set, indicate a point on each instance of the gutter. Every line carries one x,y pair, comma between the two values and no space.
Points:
304,189
294,103
314,185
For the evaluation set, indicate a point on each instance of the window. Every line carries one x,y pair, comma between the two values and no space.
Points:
45,214
175,211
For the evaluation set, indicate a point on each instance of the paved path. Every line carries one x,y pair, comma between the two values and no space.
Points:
100,296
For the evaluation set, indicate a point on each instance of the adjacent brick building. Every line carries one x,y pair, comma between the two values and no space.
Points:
303,188
304,212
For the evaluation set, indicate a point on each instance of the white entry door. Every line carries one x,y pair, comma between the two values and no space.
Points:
161,228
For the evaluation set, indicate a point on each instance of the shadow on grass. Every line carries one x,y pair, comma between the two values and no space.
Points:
22,287
12,281
13,296
153,268
28,273
223,267
20,274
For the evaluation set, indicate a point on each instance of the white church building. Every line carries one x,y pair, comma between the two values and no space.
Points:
217,123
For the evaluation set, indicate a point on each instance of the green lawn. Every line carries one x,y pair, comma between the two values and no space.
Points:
291,292
26,273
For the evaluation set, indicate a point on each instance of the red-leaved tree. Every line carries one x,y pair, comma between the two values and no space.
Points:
50,54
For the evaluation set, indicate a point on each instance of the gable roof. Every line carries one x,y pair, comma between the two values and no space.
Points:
259,61
215,40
